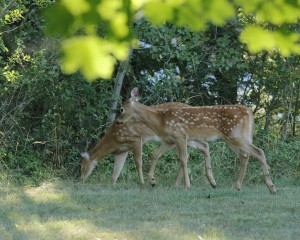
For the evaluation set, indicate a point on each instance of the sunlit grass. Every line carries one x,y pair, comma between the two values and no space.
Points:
65,210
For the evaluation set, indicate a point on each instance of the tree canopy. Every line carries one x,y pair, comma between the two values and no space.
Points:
105,29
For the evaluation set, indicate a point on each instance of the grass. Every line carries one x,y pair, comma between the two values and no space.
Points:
66,210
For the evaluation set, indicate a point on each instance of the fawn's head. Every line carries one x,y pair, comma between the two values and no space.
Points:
127,108
86,165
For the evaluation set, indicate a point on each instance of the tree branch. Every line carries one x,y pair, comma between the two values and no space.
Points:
118,85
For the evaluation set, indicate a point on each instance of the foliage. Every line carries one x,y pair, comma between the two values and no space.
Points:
270,30
94,55
257,39
205,65
48,117
266,29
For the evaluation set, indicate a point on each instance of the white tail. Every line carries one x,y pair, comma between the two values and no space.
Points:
122,137
232,123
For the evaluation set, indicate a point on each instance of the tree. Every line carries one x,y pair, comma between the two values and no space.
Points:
265,28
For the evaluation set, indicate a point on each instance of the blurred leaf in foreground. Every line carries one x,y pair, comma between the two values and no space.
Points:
258,38
90,54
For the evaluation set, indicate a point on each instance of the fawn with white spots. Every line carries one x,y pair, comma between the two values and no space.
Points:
123,137
232,123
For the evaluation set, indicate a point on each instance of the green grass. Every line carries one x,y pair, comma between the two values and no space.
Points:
66,210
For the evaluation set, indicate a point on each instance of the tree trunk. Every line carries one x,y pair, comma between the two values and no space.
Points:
117,89
297,108
269,110
289,113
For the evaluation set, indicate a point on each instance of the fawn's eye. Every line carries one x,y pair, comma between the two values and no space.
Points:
122,110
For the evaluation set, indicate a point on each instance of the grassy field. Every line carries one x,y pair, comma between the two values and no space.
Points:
66,210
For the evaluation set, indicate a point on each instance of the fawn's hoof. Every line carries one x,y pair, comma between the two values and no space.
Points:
153,182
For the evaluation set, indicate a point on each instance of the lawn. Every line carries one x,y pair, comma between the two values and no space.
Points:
66,210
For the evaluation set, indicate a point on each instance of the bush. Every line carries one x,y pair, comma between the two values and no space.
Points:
47,117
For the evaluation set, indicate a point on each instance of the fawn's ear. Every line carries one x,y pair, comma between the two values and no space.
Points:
135,94
85,155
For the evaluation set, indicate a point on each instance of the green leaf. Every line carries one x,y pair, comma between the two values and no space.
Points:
190,13
288,43
119,25
218,11
89,54
258,38
120,50
76,7
59,20
191,16
109,8
276,12
158,11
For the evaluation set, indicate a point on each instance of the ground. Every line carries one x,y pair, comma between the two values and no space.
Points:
72,210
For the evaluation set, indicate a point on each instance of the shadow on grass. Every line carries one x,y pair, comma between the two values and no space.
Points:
85,211
66,210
